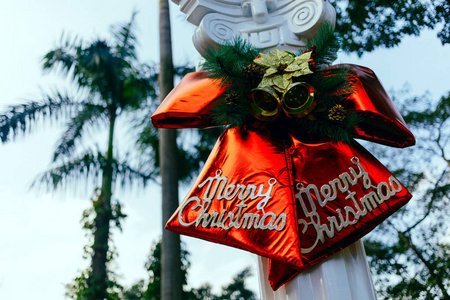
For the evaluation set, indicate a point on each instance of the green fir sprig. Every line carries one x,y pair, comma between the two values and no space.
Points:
227,64
326,44
332,119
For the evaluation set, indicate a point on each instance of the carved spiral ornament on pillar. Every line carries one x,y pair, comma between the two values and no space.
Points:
304,14
218,28
222,31
266,24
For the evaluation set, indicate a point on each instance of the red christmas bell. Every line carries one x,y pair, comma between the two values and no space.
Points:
243,198
342,193
270,192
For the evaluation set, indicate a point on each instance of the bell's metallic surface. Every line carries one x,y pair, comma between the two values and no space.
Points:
270,165
265,104
298,100
273,195
243,197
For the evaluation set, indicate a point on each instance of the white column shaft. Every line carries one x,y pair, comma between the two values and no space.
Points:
343,276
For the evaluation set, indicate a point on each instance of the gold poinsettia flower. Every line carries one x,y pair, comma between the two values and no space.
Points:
281,66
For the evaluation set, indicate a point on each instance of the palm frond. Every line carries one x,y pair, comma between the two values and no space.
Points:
93,66
126,175
20,118
63,56
91,114
193,148
137,87
147,141
125,35
87,167
100,70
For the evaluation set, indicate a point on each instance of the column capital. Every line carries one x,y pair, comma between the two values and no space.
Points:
266,24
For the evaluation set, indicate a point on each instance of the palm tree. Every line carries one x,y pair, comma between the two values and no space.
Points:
171,281
110,83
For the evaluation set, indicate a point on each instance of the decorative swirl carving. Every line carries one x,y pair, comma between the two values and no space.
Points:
305,14
267,24
215,29
219,29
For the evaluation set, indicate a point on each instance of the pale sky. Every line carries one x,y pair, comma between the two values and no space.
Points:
41,241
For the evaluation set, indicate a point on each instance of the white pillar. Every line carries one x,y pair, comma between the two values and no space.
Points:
343,276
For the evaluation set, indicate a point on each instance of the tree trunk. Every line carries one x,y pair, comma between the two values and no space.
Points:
171,277
98,278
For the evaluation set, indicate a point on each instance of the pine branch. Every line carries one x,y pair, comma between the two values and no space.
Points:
336,80
326,46
232,114
226,62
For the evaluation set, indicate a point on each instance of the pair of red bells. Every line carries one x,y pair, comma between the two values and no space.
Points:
297,101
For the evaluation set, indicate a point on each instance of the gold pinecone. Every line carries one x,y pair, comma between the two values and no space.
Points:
337,113
231,98
254,70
